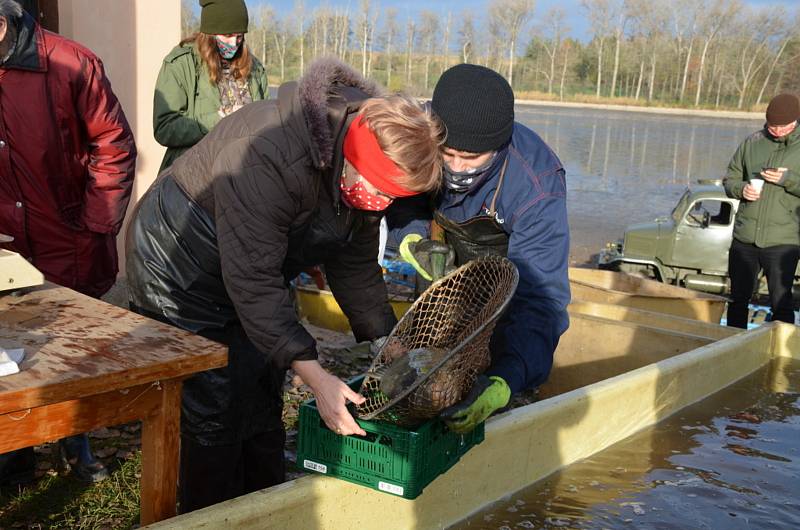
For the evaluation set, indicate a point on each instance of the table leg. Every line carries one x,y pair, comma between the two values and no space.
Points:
160,446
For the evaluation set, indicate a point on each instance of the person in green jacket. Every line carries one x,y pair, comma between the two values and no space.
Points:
764,175
205,78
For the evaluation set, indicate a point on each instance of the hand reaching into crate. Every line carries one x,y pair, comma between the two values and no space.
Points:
332,396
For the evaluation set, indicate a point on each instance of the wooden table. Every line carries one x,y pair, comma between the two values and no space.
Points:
89,364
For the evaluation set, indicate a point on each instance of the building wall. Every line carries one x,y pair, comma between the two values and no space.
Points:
131,37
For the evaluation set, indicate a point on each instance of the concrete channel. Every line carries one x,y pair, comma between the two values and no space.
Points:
612,378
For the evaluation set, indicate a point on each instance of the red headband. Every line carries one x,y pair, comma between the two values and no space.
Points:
361,149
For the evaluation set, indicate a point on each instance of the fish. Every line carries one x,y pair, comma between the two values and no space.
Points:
403,372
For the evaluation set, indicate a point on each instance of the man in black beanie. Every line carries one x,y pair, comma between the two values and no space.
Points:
504,192
764,175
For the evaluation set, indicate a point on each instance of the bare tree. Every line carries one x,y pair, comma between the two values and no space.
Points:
190,24
342,33
785,37
618,16
410,31
600,19
683,19
373,24
281,36
511,16
566,47
552,31
653,18
261,33
390,30
299,10
446,42
713,15
753,51
364,32
428,31
466,36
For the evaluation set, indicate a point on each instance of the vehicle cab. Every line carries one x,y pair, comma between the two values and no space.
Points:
687,248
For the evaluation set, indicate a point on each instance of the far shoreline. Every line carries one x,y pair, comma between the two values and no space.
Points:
671,111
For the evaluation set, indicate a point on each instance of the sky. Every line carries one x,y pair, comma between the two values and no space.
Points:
576,20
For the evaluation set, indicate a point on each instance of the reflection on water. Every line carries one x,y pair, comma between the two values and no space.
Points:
731,461
633,161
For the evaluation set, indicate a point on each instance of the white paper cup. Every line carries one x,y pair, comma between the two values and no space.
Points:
757,184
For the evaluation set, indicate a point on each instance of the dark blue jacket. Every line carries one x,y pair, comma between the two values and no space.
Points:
532,209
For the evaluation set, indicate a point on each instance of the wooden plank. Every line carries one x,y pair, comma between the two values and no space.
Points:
653,319
591,285
77,346
27,427
160,446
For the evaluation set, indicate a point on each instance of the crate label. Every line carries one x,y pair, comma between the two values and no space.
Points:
390,488
320,468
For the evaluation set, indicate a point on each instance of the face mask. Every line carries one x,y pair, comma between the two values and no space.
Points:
228,51
357,196
460,181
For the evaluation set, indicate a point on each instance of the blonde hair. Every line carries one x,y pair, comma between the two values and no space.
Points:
411,136
207,48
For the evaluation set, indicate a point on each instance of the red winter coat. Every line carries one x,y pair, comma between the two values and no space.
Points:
67,158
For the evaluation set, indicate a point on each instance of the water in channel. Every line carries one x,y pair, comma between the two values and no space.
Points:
731,461
630,167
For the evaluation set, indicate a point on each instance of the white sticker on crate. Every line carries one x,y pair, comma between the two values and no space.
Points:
319,468
390,488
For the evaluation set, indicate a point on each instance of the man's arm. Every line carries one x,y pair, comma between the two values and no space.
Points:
733,182
522,349
790,181
411,215
112,151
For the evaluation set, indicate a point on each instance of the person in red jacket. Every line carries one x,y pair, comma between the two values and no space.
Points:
67,158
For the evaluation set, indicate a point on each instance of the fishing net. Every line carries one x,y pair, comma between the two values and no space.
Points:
456,315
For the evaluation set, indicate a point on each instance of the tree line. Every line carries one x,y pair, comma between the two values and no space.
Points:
690,53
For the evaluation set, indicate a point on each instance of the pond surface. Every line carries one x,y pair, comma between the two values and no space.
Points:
629,167
731,461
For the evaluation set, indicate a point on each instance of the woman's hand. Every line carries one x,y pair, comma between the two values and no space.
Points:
332,395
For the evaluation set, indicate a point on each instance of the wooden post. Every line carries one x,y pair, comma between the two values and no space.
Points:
160,452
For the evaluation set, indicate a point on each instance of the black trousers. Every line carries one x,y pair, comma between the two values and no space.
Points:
779,263
240,455
212,474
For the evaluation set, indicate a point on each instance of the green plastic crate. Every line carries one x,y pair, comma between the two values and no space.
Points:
390,458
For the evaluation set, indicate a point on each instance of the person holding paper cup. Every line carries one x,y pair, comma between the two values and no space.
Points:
764,174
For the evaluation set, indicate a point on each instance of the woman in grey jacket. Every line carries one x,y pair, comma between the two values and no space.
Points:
278,186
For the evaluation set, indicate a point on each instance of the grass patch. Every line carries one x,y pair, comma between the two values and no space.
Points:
57,502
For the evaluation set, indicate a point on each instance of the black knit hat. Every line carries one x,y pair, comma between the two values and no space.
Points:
783,109
476,105
220,17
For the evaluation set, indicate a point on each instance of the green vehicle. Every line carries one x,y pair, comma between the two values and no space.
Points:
688,248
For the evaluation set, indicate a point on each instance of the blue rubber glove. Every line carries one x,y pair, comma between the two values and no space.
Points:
431,259
487,395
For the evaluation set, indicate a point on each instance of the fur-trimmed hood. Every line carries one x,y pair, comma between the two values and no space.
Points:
314,90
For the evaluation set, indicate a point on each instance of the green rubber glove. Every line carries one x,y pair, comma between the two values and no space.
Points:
431,259
486,396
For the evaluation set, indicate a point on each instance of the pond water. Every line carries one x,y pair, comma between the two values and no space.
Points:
628,167
731,461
